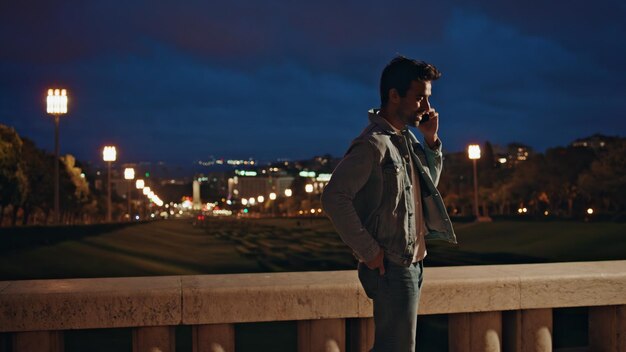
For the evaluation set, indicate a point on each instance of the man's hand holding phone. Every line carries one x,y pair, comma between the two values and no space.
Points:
429,126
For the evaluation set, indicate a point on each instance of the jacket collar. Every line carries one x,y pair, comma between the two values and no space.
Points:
383,124
375,118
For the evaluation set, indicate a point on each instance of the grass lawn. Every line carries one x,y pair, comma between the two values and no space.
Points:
255,245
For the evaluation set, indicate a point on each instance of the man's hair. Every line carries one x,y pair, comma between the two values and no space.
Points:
399,74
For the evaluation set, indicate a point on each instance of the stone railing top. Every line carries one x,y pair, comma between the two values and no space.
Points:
233,298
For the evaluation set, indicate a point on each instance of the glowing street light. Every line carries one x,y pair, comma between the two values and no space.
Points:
260,199
129,174
288,192
109,154
590,211
473,152
273,199
146,191
56,106
140,184
251,201
309,190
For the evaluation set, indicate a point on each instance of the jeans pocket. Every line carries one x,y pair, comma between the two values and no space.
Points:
369,280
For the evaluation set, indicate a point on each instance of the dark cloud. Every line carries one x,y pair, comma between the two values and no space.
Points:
172,81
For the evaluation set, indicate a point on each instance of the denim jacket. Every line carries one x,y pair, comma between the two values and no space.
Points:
369,197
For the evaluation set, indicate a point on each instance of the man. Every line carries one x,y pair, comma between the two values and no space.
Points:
383,201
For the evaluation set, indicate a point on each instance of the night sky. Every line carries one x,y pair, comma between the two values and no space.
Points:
181,81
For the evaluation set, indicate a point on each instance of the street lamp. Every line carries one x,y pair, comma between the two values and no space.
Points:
273,199
56,106
288,192
473,151
140,184
109,154
129,174
309,189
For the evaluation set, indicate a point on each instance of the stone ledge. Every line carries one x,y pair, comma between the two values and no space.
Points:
90,303
214,299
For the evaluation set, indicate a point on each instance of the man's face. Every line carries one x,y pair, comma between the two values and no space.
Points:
415,103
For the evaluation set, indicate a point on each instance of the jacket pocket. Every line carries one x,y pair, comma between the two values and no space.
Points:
392,179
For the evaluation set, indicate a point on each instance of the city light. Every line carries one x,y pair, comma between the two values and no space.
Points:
502,160
109,153
323,177
260,199
308,188
57,101
251,201
272,196
546,213
307,173
589,211
146,190
244,201
288,192
473,151
139,184
129,173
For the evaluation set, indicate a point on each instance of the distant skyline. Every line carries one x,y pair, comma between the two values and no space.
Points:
172,82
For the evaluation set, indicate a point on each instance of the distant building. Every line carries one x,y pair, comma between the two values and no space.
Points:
596,142
251,185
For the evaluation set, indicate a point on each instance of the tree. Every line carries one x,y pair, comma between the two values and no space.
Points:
37,166
76,186
13,181
563,167
604,184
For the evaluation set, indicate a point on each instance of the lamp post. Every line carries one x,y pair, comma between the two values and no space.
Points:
309,189
109,154
473,151
56,106
129,174
140,184
288,194
273,199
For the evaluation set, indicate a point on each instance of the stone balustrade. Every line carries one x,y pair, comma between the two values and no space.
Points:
490,308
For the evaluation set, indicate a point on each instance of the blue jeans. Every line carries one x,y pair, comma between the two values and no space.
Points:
396,297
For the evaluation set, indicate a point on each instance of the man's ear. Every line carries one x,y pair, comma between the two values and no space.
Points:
394,96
